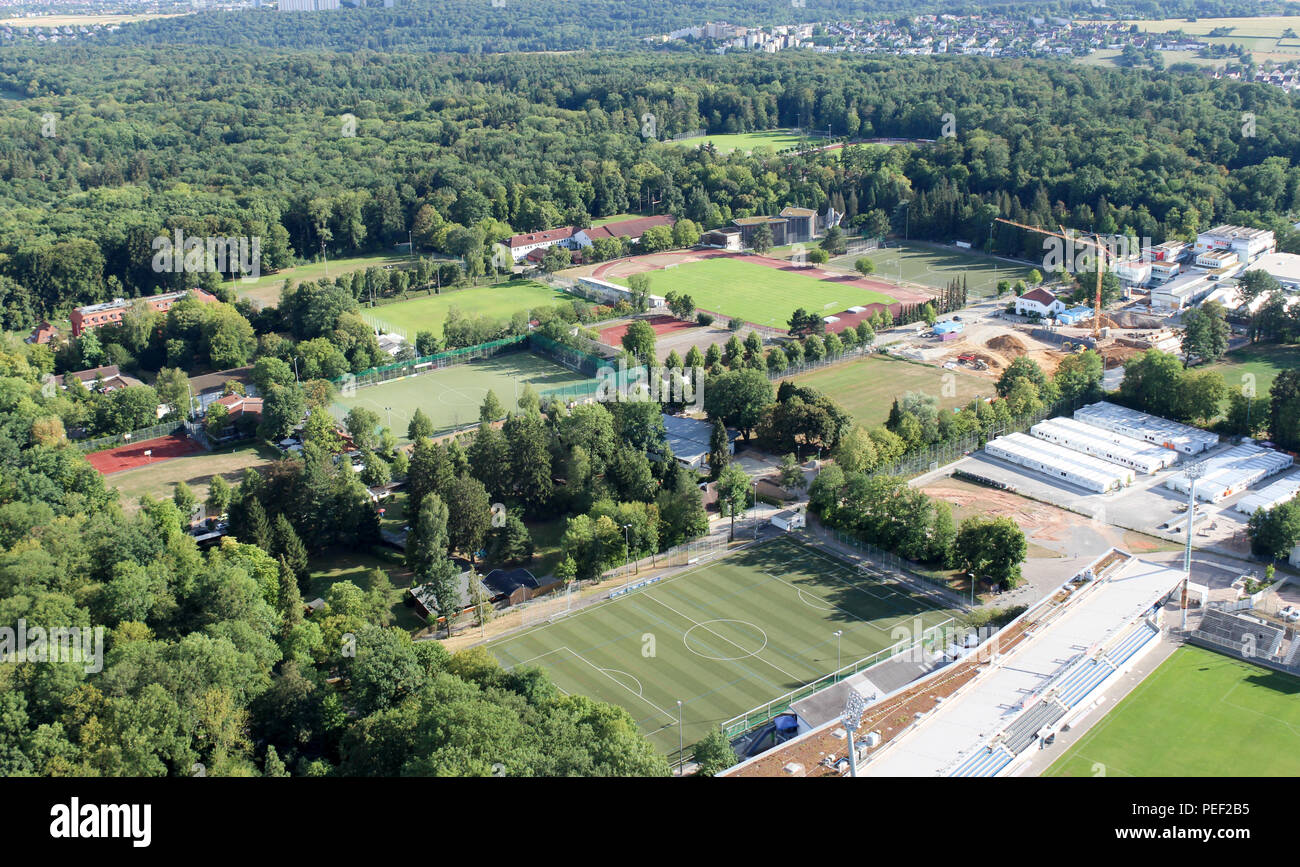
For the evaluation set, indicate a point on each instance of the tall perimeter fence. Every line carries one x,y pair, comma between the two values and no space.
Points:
135,436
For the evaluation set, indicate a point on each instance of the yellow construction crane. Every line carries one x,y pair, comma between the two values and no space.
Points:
1102,252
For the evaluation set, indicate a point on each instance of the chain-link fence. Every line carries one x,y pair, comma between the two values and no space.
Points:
889,563
423,364
148,433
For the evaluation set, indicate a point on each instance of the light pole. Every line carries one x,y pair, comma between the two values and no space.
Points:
838,634
627,554
1193,472
756,521
389,410
681,746
852,718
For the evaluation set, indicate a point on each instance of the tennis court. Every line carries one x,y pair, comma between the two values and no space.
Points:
451,396
723,637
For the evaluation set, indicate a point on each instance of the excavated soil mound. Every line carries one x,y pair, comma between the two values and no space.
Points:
1007,344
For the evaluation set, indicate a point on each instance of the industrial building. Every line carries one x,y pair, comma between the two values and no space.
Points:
1107,445
1281,491
1148,428
1232,472
1060,463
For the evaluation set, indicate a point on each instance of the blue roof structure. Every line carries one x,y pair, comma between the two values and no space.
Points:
1074,314
948,326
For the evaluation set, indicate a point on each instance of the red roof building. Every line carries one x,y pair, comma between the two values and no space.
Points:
94,316
42,334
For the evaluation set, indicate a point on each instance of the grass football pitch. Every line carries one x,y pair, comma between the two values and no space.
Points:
866,387
452,396
1200,714
936,267
757,293
429,312
721,638
776,139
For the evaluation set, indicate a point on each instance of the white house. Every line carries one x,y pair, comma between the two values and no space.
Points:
521,245
1038,301
632,229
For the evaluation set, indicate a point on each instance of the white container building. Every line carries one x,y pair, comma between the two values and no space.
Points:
1060,463
1148,428
1281,491
1107,445
1232,472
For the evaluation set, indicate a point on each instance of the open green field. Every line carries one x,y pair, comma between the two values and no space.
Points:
776,139
265,290
866,387
1263,361
1200,714
721,638
196,470
451,396
1261,35
757,293
936,266
334,566
429,312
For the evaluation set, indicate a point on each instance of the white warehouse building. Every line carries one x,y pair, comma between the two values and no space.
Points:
1060,463
1107,445
1232,472
1281,491
1148,428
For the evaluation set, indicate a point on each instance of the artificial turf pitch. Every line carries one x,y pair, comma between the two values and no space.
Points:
721,638
1200,714
451,396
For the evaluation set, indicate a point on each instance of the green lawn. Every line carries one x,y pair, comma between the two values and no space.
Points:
866,387
757,293
196,470
333,566
936,266
1263,361
428,312
1200,714
266,289
451,397
721,638
776,139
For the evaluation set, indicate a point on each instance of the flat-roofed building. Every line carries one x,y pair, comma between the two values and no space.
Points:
1249,244
1182,438
1282,267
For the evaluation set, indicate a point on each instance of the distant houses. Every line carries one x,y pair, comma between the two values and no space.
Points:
531,245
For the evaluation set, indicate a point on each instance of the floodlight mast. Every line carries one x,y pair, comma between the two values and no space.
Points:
852,718
1193,472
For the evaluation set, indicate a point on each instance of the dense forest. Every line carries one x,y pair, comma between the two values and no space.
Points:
214,142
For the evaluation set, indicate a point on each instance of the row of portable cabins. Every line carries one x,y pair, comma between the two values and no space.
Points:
1281,491
1059,462
1232,471
1117,448
1148,428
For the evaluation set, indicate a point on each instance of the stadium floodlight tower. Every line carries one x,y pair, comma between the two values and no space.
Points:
854,707
1193,472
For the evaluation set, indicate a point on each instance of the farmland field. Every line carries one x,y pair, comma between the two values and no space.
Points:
757,293
1200,714
866,387
723,637
427,313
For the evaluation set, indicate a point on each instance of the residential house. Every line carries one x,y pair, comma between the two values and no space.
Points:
42,334
1039,301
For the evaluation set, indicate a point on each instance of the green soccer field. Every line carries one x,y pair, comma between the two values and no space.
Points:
937,267
1262,361
866,387
428,312
757,293
452,396
776,139
1200,714
721,638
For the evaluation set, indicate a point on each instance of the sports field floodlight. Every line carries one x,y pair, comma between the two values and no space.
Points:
854,707
838,634
1193,472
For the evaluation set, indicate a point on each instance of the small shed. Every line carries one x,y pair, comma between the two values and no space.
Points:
790,519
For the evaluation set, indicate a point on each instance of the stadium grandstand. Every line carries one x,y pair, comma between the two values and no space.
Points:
1060,463
1107,445
1038,674
1232,471
1148,428
1243,635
